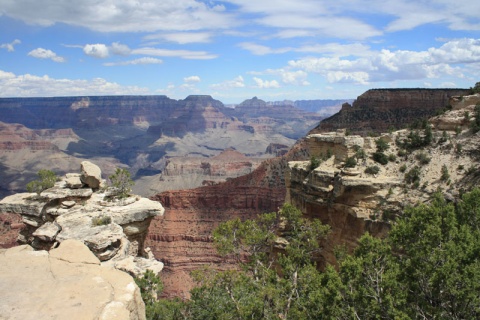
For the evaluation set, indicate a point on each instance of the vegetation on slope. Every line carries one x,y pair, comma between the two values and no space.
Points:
428,267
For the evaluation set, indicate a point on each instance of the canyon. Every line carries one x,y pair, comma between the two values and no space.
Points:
152,136
350,201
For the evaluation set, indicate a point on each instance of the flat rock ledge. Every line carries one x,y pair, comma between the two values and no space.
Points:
67,282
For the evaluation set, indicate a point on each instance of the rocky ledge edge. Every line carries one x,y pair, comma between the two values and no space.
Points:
77,207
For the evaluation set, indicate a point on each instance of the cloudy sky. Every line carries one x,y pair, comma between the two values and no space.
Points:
236,49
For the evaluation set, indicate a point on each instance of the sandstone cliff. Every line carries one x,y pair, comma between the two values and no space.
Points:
380,110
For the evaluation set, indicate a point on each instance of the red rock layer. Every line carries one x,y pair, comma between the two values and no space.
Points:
182,237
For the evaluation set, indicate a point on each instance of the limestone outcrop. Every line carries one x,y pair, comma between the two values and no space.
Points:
113,229
67,282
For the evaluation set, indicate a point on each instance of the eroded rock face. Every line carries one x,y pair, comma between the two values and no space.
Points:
348,199
182,237
66,283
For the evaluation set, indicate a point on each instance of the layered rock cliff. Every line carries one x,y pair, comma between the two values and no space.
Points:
380,110
182,237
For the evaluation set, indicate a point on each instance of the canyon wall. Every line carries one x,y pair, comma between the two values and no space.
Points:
182,240
380,110
348,199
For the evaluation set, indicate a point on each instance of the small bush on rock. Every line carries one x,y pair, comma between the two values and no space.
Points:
101,221
350,162
46,180
121,183
380,157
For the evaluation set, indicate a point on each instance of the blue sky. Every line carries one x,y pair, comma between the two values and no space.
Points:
237,49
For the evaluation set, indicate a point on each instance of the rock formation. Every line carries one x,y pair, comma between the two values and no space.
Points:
114,230
380,110
66,283
353,201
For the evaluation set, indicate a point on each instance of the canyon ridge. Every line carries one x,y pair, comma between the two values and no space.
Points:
165,143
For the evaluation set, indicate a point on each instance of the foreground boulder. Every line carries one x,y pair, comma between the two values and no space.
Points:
66,283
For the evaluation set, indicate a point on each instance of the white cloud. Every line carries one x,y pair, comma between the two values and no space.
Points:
185,54
331,49
98,50
144,60
261,50
10,46
182,37
298,77
41,53
265,84
192,79
28,85
385,65
120,49
122,15
237,82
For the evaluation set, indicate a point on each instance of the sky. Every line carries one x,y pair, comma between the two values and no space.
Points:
237,49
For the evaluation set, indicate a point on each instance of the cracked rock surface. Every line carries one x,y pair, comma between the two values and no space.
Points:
67,282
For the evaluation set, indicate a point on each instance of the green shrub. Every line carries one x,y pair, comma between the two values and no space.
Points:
314,163
372,170
392,157
445,174
403,167
402,152
475,125
413,175
46,180
444,137
380,157
423,158
458,148
382,145
350,162
359,152
121,182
